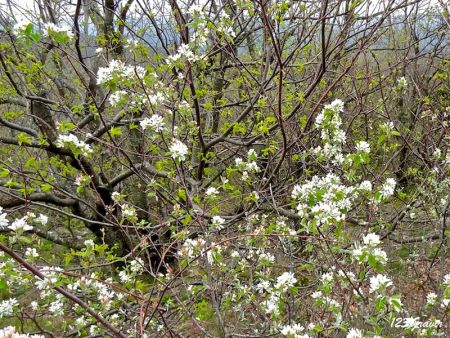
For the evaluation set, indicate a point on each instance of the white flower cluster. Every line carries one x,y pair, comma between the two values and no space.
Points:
119,69
7,307
155,123
31,252
116,97
10,332
155,99
333,137
21,225
192,247
325,199
369,250
217,223
184,53
379,283
178,150
135,267
225,27
402,83
293,331
249,166
128,211
272,303
51,27
72,140
431,298
363,147
211,192
3,220
200,21
355,333
57,307
388,188
446,281
282,228
101,290
365,186
265,258
51,276
285,281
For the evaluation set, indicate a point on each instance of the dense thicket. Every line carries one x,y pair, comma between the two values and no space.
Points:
226,168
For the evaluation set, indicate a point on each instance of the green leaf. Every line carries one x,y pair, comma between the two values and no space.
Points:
65,127
23,138
4,172
182,194
115,131
3,285
36,37
46,187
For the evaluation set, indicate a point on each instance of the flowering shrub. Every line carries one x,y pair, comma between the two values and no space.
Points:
224,169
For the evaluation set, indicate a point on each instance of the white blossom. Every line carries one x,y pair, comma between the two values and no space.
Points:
327,277
115,97
178,150
7,307
292,330
184,52
125,277
155,122
211,191
437,153
379,282
31,252
366,186
51,27
128,211
57,308
286,280
388,188
71,139
336,106
316,294
380,255
137,265
371,239
355,333
89,243
262,286
3,220
42,219
271,304
217,222
330,206
118,68
363,147
431,298
402,82
252,167
20,225
252,155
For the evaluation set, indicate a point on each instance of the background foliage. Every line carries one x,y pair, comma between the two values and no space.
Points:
225,168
